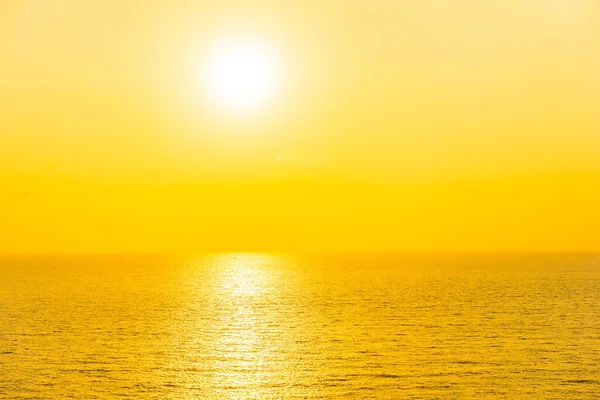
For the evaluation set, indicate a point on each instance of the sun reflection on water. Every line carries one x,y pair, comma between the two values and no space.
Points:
245,275
244,289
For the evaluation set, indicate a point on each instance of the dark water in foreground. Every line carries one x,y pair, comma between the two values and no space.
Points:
247,326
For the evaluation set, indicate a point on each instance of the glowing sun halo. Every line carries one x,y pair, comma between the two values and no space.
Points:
241,75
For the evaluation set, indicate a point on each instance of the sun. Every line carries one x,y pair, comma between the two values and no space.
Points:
242,75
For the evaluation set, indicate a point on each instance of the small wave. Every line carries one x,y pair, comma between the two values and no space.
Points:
583,381
387,376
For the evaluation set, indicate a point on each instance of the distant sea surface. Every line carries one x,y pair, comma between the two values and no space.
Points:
277,326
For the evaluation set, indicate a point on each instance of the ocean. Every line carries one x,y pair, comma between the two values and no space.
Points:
306,326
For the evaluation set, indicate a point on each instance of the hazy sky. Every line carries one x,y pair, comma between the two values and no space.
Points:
398,125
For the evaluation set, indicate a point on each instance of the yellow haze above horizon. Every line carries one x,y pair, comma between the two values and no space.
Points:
415,125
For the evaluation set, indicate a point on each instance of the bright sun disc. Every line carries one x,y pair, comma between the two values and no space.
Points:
241,75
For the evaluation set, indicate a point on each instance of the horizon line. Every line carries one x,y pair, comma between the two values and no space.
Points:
205,252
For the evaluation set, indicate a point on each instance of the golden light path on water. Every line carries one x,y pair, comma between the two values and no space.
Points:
244,282
266,326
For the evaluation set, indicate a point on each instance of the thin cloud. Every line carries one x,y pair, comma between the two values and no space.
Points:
294,160
21,194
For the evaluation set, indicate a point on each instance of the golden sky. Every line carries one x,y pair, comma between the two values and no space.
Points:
397,125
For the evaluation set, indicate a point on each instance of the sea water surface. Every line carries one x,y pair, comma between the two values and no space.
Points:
276,326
